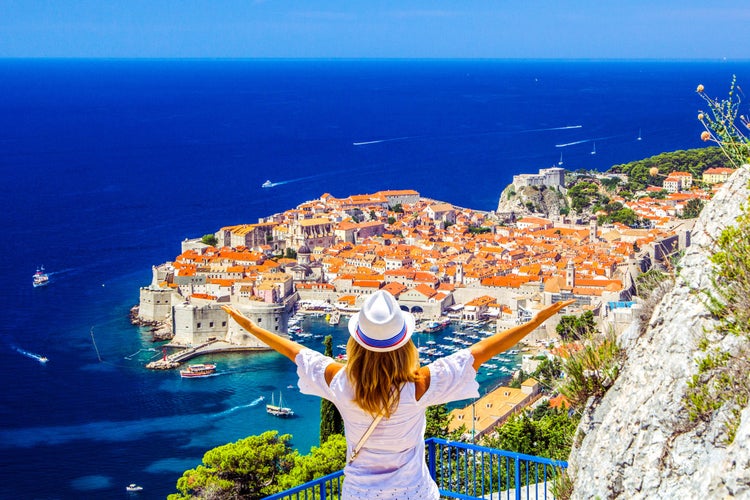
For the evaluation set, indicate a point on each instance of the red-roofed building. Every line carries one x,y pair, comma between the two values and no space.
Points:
717,175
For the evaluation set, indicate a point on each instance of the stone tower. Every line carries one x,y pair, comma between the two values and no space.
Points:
592,230
570,274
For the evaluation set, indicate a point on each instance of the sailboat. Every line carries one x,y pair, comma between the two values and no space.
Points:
593,151
280,410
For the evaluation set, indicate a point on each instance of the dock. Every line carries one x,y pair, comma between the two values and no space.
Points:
175,359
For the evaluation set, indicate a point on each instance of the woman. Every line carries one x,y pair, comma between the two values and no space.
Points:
383,376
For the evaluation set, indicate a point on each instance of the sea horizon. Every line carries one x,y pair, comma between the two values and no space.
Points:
109,167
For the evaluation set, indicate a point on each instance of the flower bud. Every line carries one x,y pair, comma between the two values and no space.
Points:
699,89
705,135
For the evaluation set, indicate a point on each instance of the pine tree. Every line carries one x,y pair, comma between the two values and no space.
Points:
330,418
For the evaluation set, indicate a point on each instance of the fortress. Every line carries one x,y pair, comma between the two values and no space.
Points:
550,177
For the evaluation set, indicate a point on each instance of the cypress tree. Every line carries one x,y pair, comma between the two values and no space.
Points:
330,418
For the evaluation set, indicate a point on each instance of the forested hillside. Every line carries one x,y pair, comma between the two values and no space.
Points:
694,161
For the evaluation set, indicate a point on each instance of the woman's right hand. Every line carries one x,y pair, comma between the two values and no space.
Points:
551,310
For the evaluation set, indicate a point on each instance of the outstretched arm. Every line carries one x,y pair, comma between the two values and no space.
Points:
485,349
288,348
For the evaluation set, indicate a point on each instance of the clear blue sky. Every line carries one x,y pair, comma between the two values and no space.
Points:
637,29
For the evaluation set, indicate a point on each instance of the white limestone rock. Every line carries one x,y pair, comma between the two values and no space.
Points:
637,442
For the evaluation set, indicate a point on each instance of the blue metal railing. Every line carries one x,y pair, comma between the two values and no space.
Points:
461,470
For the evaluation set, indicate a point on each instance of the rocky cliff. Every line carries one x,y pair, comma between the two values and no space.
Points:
638,442
531,199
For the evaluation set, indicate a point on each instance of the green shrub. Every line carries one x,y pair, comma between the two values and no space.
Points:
593,369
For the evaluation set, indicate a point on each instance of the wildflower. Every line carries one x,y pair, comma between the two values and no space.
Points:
699,89
705,135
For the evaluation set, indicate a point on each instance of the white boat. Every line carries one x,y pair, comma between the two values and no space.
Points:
267,184
40,278
198,370
593,151
280,410
133,487
639,138
560,162
334,318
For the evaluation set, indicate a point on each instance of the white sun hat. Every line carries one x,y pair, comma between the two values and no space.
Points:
381,325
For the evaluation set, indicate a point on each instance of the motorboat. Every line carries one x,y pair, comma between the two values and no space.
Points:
133,487
267,184
198,370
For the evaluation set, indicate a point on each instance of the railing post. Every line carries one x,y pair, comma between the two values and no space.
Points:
517,476
431,458
323,492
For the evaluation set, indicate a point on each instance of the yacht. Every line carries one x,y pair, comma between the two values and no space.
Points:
267,184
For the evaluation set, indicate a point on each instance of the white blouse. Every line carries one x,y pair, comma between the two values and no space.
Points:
391,464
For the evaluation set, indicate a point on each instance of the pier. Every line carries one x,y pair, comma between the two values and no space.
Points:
175,359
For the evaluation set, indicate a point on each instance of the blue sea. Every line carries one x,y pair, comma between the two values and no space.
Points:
108,165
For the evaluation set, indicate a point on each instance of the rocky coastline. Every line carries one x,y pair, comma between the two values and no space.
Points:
160,330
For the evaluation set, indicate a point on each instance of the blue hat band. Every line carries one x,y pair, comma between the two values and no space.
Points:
381,344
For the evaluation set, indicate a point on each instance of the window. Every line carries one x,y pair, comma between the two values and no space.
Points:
210,324
223,323
259,320
198,325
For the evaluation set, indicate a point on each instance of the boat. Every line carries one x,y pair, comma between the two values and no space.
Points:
198,370
593,151
561,161
40,278
280,410
38,357
639,138
267,184
133,487
435,326
334,318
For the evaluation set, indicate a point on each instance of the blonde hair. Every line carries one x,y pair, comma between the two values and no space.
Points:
375,374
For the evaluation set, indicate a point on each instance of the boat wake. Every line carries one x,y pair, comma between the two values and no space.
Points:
565,145
378,141
254,402
476,134
566,127
38,357
140,351
308,177
63,271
